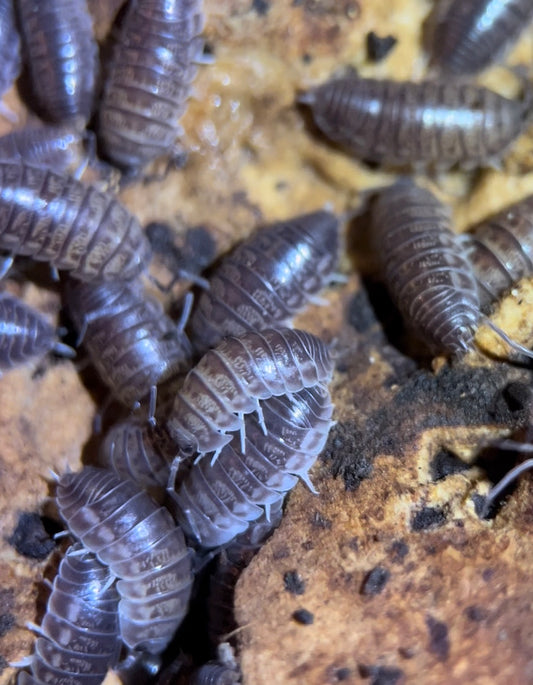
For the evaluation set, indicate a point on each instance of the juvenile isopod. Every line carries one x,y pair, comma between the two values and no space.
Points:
406,123
424,267
142,546
25,334
58,42
130,340
229,381
79,634
469,36
216,502
149,80
268,278
75,227
9,51
500,250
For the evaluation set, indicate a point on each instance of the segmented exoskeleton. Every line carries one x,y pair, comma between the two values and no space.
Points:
9,51
216,502
469,36
268,278
406,123
149,79
79,634
25,334
130,340
142,546
229,381
424,267
75,227
61,52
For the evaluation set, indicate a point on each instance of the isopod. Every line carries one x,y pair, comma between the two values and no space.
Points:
216,502
469,36
75,227
9,51
142,546
25,334
268,278
149,80
229,381
130,340
407,123
424,268
57,38
500,250
79,634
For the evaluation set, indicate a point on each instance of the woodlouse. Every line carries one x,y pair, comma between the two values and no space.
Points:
130,340
471,35
61,52
142,546
500,250
149,80
216,502
431,122
424,268
9,51
79,632
75,227
268,278
229,381
25,334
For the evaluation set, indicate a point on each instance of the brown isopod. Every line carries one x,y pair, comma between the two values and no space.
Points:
9,52
149,80
229,381
130,340
57,38
406,123
142,546
75,227
268,278
79,634
500,250
469,36
25,334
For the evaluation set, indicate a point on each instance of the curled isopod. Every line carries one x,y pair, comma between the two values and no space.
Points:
142,546
130,340
229,381
216,502
58,42
405,123
25,334
469,36
149,80
268,278
424,267
79,634
60,148
500,250
9,50
75,227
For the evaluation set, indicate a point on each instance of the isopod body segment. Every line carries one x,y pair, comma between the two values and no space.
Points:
9,46
142,546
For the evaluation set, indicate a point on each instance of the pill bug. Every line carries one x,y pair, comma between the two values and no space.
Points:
405,123
60,148
58,42
25,334
149,80
9,51
142,546
500,250
268,278
79,634
130,340
74,227
229,381
469,36
215,502
424,268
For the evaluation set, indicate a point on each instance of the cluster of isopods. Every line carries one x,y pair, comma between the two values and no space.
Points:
238,407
